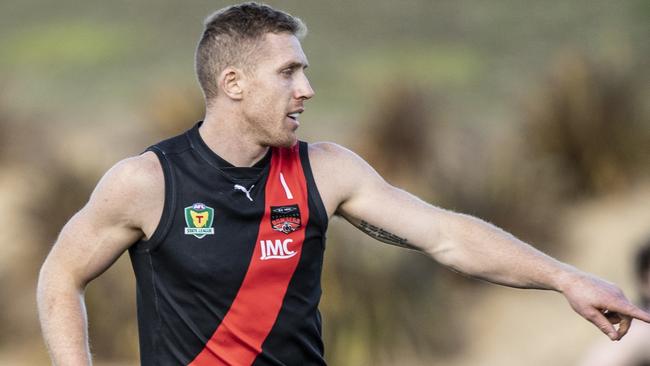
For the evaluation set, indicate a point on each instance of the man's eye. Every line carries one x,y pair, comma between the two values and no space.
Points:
287,72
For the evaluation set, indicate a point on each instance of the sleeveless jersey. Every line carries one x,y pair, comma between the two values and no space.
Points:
231,275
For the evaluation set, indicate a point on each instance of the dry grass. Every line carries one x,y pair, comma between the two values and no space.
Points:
586,127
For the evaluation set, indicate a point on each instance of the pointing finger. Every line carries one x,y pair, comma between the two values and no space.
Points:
632,311
640,314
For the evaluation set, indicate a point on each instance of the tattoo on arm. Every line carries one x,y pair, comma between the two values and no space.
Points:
385,236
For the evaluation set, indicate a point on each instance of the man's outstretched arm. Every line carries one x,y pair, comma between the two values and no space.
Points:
464,243
88,244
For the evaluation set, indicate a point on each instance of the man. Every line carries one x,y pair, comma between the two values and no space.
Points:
633,350
225,224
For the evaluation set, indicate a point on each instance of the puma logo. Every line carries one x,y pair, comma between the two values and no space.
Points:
239,187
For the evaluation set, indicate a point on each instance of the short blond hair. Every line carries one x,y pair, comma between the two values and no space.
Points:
231,36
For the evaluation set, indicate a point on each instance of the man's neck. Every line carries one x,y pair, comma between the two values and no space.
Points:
224,136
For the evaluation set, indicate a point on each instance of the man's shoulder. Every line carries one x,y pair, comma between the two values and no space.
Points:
325,151
142,170
132,182
129,194
343,177
338,171
330,156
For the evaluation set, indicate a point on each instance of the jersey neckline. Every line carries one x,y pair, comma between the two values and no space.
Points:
220,162
231,171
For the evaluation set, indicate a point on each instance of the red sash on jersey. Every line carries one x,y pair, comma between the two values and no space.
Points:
238,339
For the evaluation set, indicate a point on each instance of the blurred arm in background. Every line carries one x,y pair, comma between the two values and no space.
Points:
124,207
352,189
634,350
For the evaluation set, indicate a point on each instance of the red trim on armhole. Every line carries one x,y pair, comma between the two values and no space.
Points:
239,338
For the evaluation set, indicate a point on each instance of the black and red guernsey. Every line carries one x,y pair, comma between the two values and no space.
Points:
231,275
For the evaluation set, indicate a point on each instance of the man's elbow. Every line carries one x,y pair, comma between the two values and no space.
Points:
450,246
445,252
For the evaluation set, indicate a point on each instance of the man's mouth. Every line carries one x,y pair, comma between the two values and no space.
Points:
294,115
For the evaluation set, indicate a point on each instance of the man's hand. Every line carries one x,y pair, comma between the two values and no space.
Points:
603,304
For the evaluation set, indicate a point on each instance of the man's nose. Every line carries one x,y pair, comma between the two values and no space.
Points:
304,90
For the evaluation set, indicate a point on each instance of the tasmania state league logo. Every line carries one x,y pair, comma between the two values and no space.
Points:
198,218
285,219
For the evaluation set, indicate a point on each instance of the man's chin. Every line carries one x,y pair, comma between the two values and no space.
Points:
289,143
286,141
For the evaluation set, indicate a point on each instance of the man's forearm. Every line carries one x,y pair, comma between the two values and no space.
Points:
63,320
479,249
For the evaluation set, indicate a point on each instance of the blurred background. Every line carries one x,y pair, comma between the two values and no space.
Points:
531,115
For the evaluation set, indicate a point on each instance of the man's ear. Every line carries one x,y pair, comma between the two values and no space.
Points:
230,82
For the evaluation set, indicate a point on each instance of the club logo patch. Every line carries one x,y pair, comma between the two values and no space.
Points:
198,218
285,219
